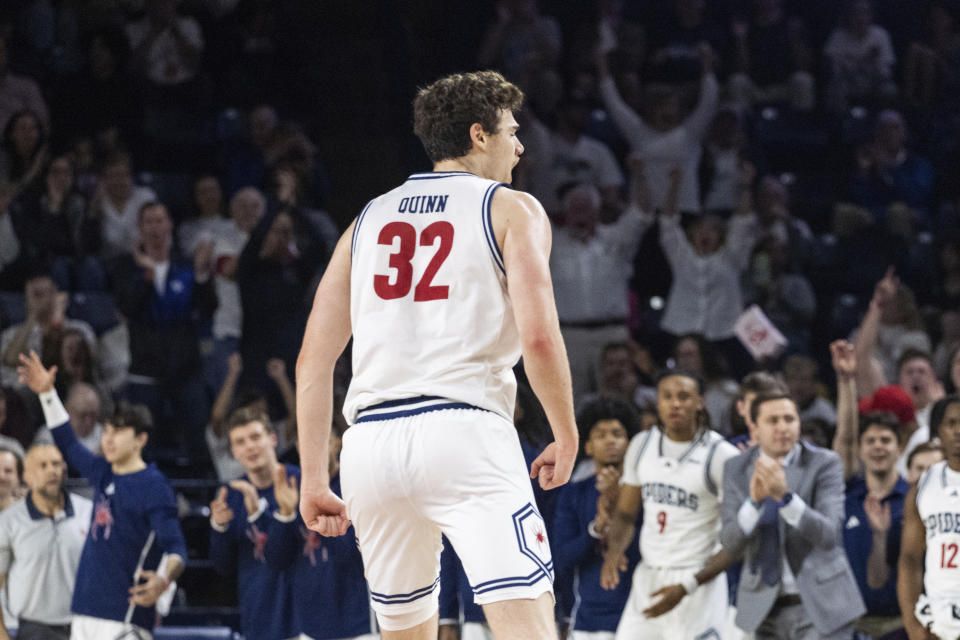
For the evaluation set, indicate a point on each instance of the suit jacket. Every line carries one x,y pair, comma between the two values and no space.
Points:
814,548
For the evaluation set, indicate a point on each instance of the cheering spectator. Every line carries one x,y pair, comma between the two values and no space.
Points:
664,140
54,230
46,315
887,172
706,296
591,266
874,519
246,209
158,292
209,222
576,158
889,328
275,270
115,207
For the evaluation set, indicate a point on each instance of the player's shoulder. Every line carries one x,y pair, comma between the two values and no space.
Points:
719,446
513,200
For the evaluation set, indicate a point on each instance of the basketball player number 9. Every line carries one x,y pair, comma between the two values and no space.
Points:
400,261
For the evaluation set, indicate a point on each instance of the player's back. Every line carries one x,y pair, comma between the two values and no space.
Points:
938,501
429,306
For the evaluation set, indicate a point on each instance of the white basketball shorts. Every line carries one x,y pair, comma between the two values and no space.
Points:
413,469
940,616
701,615
88,628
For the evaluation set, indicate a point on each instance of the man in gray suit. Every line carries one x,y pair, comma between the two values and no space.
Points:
783,512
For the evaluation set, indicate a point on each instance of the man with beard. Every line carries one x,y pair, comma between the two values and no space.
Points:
41,539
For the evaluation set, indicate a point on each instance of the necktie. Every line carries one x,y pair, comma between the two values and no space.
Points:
769,560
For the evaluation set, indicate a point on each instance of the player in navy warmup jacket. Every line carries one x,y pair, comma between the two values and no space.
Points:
606,426
134,519
330,596
240,518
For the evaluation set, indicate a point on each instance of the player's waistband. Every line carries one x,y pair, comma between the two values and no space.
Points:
407,407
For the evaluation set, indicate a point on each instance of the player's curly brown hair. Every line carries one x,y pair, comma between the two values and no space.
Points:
444,111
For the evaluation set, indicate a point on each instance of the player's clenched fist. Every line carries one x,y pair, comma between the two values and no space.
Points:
220,513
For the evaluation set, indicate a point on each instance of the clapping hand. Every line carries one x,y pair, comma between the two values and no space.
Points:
285,491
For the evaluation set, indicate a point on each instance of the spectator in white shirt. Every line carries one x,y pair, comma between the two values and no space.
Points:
247,206
705,295
575,158
591,265
116,205
665,140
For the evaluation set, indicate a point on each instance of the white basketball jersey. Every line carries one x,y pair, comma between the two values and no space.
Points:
938,500
429,306
681,505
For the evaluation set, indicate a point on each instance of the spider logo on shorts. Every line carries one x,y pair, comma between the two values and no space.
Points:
539,537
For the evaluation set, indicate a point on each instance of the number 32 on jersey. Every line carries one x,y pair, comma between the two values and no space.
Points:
402,265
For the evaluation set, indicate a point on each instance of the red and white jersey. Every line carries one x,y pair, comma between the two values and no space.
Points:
429,306
938,500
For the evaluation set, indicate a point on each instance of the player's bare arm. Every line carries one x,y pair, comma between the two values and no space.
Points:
523,231
620,534
913,546
666,598
326,336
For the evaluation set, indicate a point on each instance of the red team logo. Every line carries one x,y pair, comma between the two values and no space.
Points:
259,540
311,542
102,518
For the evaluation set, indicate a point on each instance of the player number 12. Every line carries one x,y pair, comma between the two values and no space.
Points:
945,562
400,261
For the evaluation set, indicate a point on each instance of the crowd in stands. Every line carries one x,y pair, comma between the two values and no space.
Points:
162,222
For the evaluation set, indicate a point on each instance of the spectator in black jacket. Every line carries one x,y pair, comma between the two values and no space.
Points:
161,294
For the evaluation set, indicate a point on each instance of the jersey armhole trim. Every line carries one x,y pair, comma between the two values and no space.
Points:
356,228
488,226
707,479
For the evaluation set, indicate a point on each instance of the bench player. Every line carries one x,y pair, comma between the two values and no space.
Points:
676,472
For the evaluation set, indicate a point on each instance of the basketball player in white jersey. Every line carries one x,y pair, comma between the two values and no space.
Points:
443,282
930,547
676,472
